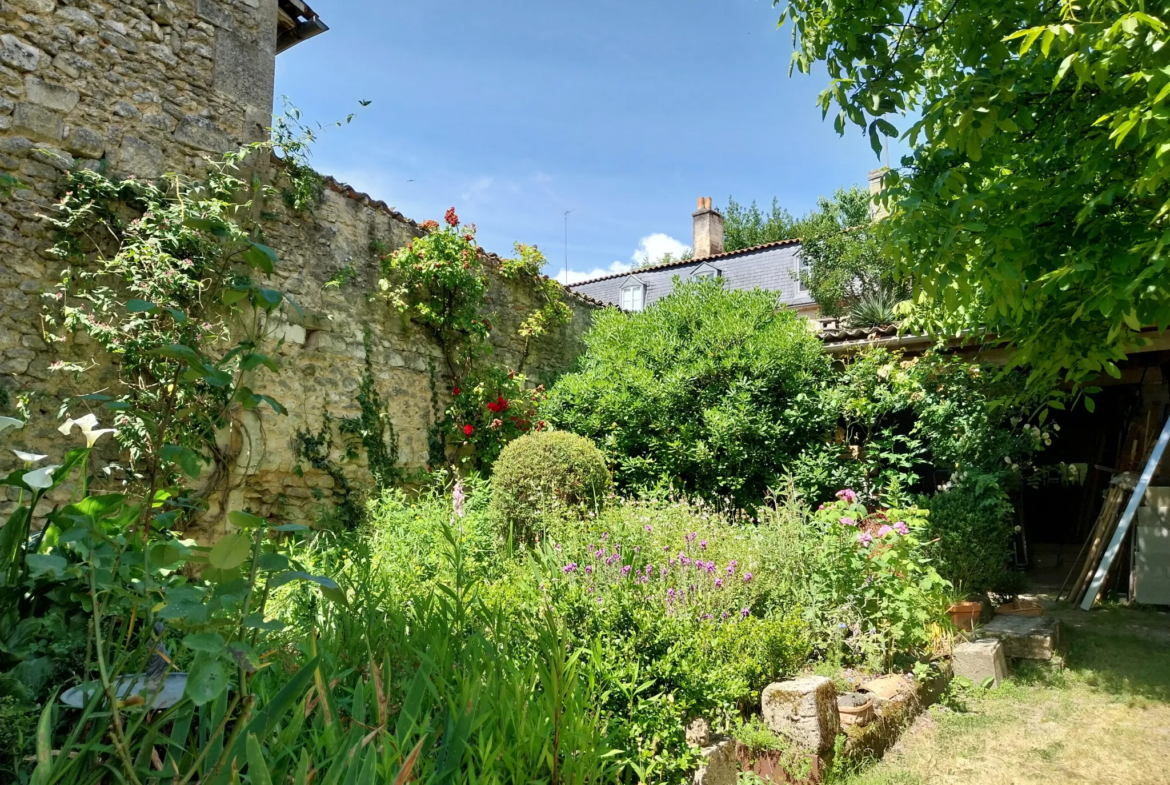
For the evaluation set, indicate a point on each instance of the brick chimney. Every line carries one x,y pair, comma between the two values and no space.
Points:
708,229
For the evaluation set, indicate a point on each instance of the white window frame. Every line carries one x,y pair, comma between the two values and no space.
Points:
633,297
705,271
802,268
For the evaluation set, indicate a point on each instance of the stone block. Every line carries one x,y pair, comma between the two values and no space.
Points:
141,158
85,143
58,159
37,122
719,766
804,711
1024,637
980,660
245,69
48,94
215,13
78,19
202,134
19,53
699,732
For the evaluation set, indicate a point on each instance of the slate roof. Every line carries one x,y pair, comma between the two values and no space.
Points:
771,267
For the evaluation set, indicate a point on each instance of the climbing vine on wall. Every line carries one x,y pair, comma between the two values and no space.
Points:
440,282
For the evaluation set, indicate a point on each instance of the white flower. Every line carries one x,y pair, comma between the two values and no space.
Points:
28,457
10,422
41,478
87,424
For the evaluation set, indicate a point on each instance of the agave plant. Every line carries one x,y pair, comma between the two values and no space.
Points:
874,309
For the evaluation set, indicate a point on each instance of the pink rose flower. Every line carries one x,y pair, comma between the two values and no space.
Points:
901,528
884,530
865,539
847,521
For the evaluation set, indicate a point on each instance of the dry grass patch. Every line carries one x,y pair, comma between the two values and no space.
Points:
1104,720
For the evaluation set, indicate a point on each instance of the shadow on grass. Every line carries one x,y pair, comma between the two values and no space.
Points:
1111,660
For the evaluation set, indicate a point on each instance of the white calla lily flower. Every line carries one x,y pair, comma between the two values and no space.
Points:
88,426
28,457
41,478
10,422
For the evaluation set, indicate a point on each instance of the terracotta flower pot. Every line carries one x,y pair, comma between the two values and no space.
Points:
964,615
855,708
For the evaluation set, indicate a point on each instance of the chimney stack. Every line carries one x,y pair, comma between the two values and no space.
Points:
708,229
877,182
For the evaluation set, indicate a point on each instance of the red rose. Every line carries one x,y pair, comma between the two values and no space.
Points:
455,391
468,430
451,218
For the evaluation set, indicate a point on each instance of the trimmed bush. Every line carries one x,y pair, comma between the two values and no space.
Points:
548,473
974,535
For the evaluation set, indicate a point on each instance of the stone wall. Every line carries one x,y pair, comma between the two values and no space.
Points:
141,88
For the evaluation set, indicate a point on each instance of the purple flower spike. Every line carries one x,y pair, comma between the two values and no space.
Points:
571,567
743,614
557,547
747,578
649,528
731,569
604,536
670,593
703,544
718,583
710,566
625,570
588,569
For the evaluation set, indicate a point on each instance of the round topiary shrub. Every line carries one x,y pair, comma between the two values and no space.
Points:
551,473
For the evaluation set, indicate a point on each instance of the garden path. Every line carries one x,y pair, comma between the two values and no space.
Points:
1104,720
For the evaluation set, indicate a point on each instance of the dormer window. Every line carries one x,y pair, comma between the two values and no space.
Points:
705,272
633,294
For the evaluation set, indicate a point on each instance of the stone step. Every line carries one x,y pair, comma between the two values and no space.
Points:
1025,637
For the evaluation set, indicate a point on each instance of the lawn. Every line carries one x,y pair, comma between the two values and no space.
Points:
1104,719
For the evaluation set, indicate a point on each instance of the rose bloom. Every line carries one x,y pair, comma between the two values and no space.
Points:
901,528
468,430
847,521
451,218
865,538
884,530
848,495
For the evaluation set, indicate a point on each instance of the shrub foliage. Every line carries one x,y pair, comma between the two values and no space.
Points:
710,390
547,473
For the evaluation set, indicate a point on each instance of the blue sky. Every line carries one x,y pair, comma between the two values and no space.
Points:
514,111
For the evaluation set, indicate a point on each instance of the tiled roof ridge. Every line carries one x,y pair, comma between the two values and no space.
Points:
681,262
349,192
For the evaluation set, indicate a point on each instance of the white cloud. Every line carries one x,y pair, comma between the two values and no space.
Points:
576,276
653,247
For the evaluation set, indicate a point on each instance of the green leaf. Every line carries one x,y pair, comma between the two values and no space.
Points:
178,352
298,575
267,299
261,257
257,769
46,565
232,296
246,520
140,306
209,642
185,457
207,680
231,551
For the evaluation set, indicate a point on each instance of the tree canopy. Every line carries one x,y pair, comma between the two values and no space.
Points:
1034,202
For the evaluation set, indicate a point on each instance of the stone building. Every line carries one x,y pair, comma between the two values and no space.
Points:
141,88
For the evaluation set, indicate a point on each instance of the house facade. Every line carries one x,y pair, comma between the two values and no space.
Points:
772,267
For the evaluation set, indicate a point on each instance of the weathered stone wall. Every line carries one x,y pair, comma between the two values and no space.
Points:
142,88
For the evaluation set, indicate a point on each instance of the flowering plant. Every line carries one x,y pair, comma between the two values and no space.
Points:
490,411
876,577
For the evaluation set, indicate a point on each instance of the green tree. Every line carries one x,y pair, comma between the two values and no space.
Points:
845,264
1034,204
747,227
